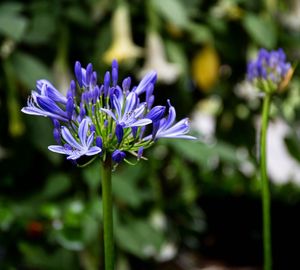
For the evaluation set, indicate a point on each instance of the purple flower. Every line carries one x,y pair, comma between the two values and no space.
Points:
45,102
165,128
75,149
129,114
270,66
107,119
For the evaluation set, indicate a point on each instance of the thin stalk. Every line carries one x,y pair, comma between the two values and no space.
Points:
107,214
265,185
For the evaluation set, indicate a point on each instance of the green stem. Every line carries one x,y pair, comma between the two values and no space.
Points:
265,185
107,213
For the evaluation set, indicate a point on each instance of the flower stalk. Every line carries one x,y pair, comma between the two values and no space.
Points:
266,213
269,72
107,213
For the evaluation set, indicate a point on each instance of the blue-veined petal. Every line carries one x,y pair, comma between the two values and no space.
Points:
50,106
109,112
149,78
58,149
69,138
141,122
93,151
117,106
47,89
82,131
131,101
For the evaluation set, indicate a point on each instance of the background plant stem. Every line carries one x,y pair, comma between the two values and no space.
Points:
107,214
265,185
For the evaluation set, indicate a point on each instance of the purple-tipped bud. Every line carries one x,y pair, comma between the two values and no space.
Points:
88,74
149,91
73,87
134,131
82,111
126,84
99,142
70,107
92,128
114,75
101,90
114,64
56,135
106,83
143,128
140,152
105,123
56,123
156,113
155,129
150,102
118,156
94,78
78,73
96,93
119,133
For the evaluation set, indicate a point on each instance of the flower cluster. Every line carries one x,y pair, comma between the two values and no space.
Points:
269,70
105,119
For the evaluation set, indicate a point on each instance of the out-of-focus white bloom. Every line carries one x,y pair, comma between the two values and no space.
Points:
291,19
167,252
246,90
158,220
203,118
156,60
122,47
282,168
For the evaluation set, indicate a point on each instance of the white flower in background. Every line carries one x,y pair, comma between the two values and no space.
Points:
247,91
203,118
156,60
291,19
167,252
282,167
122,47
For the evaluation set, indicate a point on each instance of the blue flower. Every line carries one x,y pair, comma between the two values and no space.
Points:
74,149
44,102
107,120
129,113
268,70
165,127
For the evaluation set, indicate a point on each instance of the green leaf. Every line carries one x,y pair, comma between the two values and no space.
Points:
139,238
125,187
12,26
91,174
200,33
172,11
56,185
40,29
11,8
30,69
202,153
261,29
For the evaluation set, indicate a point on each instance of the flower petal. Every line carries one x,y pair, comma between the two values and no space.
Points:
82,131
58,149
93,151
70,139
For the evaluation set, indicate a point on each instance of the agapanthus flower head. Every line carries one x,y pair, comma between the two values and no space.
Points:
103,120
269,70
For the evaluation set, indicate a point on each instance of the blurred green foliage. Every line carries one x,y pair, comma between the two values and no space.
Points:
50,211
